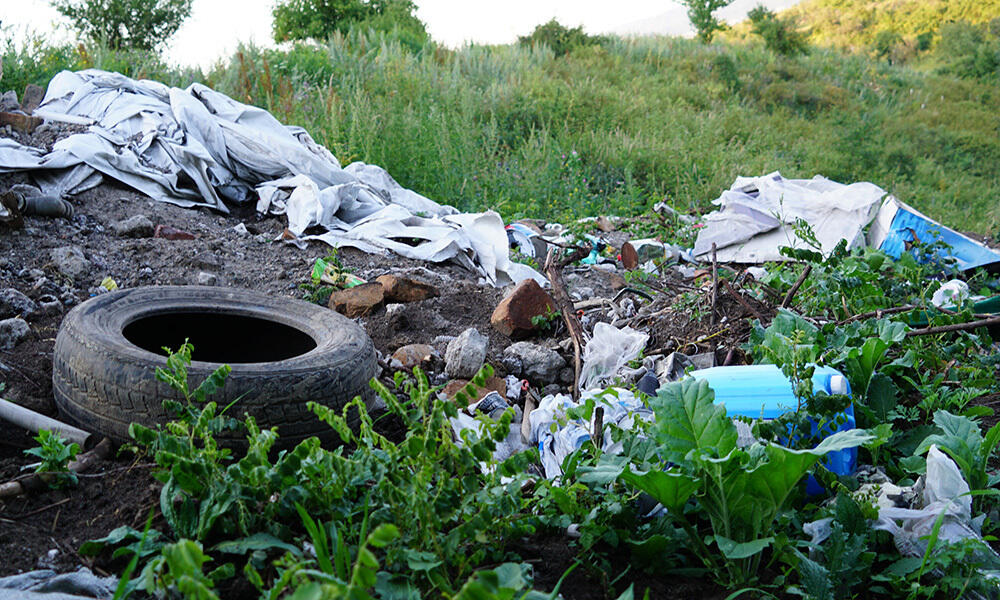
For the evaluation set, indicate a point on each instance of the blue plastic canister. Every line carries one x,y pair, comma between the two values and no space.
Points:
763,392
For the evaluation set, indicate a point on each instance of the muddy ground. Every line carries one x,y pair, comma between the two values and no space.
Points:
45,528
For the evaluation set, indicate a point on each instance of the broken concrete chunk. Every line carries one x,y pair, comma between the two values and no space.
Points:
138,226
204,278
8,101
512,317
537,363
15,304
359,300
70,261
12,331
465,355
404,289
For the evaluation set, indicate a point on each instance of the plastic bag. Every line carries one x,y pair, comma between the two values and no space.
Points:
608,351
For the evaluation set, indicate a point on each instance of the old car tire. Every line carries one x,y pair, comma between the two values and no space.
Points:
283,353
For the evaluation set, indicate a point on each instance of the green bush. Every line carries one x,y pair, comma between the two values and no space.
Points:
968,50
779,34
559,38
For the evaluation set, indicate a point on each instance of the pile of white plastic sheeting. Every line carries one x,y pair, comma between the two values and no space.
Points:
198,147
758,215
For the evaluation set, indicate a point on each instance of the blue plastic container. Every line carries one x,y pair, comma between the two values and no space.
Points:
763,392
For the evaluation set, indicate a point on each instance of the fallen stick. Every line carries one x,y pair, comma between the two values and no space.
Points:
878,313
955,327
82,464
739,298
715,283
553,270
597,437
796,286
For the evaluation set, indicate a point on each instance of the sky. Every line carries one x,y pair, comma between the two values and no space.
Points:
217,26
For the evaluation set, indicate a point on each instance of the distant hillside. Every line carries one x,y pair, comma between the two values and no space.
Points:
854,24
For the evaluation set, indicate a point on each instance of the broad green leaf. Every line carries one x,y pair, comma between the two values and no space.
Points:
607,469
418,560
672,490
257,541
737,550
965,429
881,396
687,419
842,440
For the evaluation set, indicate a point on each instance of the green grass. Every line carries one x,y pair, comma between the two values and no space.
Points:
614,128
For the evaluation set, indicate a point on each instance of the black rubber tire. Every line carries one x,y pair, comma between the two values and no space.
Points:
103,382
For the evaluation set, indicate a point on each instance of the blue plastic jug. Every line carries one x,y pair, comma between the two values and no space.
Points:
763,392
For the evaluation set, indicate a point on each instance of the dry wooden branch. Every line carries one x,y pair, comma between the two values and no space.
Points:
715,283
798,283
553,270
955,327
739,298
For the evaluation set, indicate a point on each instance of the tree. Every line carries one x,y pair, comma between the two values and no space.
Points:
318,19
126,24
700,13
779,35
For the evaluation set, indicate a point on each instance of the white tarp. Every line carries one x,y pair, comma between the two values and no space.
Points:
197,147
758,215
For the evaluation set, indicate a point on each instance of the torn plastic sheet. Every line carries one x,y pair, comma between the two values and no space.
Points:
46,584
198,147
946,495
757,216
897,226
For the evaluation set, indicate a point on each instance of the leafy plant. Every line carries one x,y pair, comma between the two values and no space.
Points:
742,491
961,439
700,12
55,455
179,569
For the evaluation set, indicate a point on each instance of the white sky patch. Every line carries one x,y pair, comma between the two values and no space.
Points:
216,27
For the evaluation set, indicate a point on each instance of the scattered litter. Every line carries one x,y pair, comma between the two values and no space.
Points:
328,272
607,352
47,584
109,284
952,293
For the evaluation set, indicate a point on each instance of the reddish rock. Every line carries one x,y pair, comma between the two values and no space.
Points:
169,233
22,123
493,384
413,355
359,300
33,96
512,317
403,289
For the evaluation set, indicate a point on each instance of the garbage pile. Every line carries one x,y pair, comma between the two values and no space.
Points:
198,147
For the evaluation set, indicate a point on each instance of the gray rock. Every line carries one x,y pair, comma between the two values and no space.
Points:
68,298
12,331
70,261
15,304
241,230
49,305
8,102
552,389
207,278
538,364
138,226
566,375
465,354
441,342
